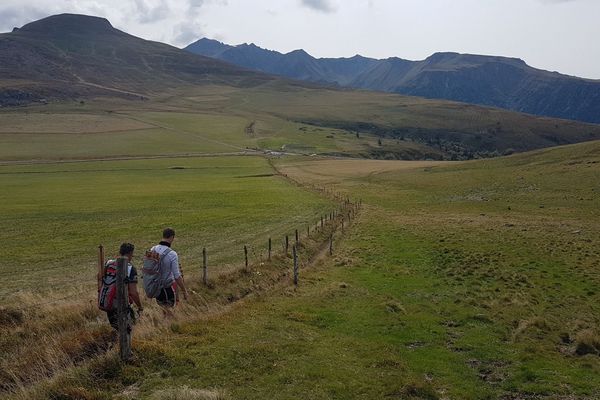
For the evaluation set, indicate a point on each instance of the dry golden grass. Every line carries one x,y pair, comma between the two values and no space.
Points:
587,342
334,170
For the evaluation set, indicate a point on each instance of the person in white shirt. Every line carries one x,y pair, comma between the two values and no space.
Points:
172,274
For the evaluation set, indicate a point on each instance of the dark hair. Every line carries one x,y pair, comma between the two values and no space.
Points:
168,233
126,248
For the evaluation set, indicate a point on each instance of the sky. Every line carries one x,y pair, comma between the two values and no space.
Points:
556,35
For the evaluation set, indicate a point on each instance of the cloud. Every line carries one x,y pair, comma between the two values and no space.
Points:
319,5
15,17
186,33
151,11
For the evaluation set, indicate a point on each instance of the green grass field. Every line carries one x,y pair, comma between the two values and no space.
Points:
475,280
56,215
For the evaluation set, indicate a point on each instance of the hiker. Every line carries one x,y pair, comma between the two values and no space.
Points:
107,292
171,274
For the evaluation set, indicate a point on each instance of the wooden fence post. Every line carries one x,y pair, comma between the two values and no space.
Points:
246,255
297,238
204,267
342,224
331,244
295,266
287,244
307,230
123,310
269,249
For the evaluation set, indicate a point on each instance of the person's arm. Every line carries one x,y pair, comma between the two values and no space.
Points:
181,284
135,296
132,288
177,275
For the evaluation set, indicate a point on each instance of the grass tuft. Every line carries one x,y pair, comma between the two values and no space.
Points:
11,316
587,342
187,393
418,390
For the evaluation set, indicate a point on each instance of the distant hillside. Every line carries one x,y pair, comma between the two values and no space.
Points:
486,80
75,55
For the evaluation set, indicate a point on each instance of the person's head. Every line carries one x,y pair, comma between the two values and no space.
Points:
168,235
126,250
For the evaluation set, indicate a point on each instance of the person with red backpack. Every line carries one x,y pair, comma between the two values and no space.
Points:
108,289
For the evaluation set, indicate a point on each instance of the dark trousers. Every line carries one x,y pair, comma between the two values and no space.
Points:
113,318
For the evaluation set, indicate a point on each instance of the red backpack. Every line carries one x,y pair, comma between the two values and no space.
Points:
108,289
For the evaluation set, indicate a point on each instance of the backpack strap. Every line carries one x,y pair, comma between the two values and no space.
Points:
106,265
163,255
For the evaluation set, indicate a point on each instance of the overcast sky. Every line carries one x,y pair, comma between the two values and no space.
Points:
559,35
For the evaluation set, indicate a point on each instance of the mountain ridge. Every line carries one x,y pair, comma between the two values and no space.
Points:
498,81
71,55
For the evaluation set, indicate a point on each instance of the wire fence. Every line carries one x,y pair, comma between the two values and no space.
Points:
253,254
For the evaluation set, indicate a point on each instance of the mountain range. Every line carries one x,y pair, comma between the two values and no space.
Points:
502,82
79,59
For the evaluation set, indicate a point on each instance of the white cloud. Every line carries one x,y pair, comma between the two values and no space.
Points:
320,5
152,11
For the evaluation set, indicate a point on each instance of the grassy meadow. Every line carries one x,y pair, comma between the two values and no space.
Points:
57,214
474,280
457,281
470,280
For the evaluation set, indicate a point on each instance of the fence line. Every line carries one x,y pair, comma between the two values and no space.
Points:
334,218
205,276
